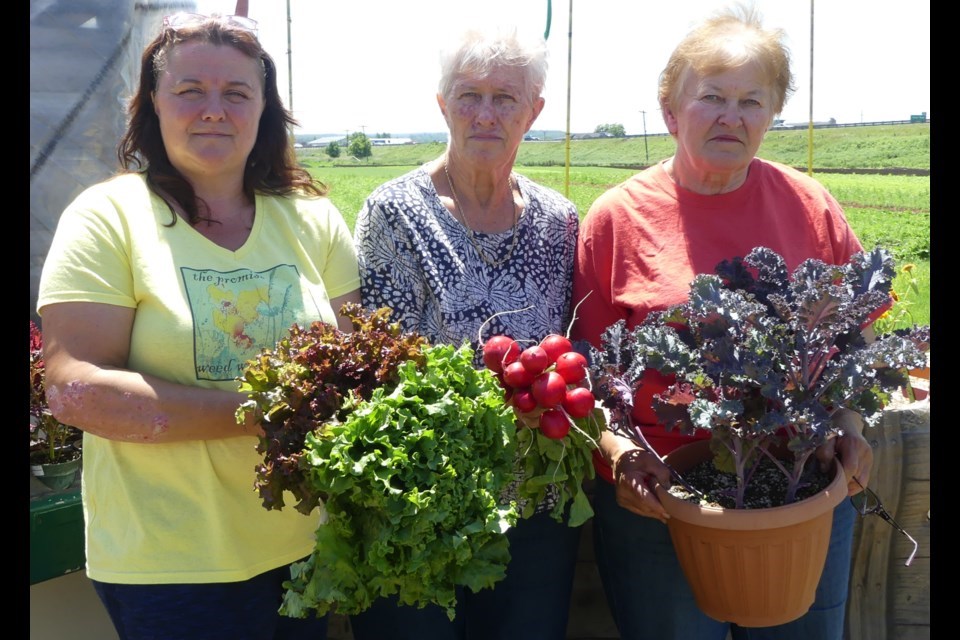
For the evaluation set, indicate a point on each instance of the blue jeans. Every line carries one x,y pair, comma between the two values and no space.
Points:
650,598
532,602
245,610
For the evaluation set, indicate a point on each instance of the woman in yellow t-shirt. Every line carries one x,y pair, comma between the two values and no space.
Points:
160,283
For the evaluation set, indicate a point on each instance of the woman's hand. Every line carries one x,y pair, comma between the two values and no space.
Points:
636,472
529,419
856,454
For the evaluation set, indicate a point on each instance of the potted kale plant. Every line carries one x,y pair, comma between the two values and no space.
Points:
762,359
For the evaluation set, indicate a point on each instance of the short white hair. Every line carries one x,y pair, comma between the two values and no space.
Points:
479,51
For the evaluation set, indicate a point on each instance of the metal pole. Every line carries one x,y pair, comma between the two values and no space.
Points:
289,59
566,179
293,136
546,32
645,149
810,126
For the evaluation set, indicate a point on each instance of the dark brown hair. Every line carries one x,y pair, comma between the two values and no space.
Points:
272,166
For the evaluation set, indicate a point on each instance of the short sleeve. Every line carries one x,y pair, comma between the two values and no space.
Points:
89,259
340,271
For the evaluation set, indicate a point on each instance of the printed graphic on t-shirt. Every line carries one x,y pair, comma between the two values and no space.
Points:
237,313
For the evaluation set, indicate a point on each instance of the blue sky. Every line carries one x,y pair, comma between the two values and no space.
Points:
372,64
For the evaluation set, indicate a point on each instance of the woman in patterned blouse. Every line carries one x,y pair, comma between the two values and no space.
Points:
449,246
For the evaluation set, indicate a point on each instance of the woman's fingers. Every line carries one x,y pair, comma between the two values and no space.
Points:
856,455
636,473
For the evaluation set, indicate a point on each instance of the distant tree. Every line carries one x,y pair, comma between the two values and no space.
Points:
359,146
333,150
381,135
616,130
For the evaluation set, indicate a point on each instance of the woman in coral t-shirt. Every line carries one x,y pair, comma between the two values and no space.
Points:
641,244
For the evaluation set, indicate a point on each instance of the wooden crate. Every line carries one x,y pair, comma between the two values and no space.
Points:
890,601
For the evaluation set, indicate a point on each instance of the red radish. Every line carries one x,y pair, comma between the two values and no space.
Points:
517,376
572,366
554,424
499,351
549,389
534,359
578,402
524,401
555,344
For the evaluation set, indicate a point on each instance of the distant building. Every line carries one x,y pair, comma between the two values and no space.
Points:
322,142
591,136
383,142
801,125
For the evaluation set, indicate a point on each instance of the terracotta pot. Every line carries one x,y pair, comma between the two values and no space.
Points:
751,567
923,372
919,383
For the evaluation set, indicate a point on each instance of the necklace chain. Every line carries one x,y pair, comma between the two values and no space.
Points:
470,234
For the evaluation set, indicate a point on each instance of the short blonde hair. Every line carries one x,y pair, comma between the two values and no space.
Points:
728,40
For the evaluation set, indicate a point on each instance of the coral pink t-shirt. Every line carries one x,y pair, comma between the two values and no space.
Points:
642,242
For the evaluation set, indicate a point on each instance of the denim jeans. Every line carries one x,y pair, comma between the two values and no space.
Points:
245,610
532,602
650,598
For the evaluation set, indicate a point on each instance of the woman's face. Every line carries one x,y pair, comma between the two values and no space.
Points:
488,116
721,119
209,99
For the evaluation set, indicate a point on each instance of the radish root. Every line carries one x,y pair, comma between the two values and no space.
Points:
573,316
499,313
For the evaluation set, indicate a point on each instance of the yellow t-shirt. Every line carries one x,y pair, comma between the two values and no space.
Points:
188,512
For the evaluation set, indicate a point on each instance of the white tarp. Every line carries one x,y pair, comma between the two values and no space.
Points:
84,64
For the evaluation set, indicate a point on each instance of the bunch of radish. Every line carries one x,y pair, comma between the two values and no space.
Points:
544,382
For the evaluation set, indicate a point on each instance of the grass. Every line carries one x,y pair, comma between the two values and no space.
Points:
349,186
882,147
889,210
904,146
907,235
891,192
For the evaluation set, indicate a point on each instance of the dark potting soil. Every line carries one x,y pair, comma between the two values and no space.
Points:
766,488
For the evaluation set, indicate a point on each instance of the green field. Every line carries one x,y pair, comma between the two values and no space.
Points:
889,210
905,146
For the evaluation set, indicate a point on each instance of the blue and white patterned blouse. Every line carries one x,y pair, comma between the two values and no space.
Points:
416,258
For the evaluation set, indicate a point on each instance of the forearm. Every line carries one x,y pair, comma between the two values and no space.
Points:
124,405
613,446
344,323
635,472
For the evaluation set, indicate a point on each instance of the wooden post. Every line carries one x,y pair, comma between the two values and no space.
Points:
888,599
